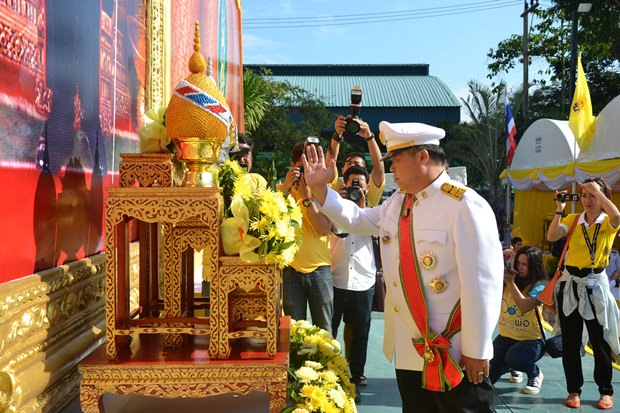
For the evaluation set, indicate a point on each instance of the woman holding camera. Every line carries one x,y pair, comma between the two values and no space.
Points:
582,292
519,344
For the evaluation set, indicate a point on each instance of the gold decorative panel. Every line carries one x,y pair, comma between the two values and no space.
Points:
49,321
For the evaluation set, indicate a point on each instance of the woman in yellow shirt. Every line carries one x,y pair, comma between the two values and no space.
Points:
519,344
582,292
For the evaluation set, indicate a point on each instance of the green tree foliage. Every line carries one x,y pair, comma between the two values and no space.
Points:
480,145
291,115
550,40
256,99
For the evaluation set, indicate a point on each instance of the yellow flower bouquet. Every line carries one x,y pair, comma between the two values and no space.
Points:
320,375
264,224
153,135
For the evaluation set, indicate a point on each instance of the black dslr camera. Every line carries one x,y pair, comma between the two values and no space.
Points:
353,192
352,127
310,140
564,197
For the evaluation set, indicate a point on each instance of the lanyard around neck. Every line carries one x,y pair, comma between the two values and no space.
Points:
591,244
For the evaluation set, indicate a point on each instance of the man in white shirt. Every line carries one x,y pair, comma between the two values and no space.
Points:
353,271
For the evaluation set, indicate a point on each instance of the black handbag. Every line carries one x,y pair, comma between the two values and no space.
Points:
553,345
378,300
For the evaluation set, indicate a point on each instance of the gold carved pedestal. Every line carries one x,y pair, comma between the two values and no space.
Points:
146,169
186,371
190,218
240,294
241,346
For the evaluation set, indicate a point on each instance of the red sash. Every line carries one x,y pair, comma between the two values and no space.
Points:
440,372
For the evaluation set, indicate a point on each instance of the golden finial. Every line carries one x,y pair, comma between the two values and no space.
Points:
197,61
197,36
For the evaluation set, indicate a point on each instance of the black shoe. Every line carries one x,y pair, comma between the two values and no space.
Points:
359,380
358,395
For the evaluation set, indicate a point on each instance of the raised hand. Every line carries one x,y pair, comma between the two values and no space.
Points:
317,174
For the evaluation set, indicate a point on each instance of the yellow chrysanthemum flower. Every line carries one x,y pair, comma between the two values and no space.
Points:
315,394
328,376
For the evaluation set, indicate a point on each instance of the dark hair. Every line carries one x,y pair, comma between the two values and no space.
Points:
535,268
355,155
356,170
297,151
243,138
516,240
605,188
435,152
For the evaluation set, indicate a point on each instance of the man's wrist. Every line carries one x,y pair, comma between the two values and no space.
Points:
336,137
371,137
559,213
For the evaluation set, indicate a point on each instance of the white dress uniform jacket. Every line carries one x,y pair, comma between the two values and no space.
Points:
461,237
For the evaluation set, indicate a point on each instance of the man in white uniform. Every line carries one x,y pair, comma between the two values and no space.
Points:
443,268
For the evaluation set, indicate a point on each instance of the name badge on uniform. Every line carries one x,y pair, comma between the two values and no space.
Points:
591,281
386,239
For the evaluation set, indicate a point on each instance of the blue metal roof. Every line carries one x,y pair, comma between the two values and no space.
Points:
395,86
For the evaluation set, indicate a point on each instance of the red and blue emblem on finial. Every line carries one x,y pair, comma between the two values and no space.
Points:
201,99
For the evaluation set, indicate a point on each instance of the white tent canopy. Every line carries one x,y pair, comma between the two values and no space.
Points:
544,157
605,142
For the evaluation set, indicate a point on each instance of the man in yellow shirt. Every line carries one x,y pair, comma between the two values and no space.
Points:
308,280
377,176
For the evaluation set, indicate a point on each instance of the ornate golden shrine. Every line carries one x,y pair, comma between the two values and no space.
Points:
244,300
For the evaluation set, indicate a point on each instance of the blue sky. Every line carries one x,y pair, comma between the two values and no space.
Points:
452,36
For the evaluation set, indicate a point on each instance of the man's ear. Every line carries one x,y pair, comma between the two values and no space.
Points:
423,156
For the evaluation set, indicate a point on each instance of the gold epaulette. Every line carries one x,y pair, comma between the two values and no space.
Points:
454,191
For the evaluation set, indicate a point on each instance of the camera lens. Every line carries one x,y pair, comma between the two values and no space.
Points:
561,197
352,127
354,193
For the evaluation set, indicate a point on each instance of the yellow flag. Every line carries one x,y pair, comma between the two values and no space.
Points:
581,121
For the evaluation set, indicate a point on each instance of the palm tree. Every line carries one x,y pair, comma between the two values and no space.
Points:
480,143
256,99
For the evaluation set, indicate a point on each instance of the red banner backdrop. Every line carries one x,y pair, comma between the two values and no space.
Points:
72,81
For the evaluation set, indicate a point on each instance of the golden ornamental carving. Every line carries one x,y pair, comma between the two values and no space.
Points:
247,306
189,218
122,374
158,68
190,381
48,320
147,169
234,279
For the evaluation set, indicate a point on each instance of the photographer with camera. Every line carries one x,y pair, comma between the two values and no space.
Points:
352,127
354,270
582,293
307,281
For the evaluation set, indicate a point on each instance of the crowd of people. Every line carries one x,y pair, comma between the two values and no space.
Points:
449,282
